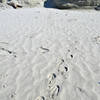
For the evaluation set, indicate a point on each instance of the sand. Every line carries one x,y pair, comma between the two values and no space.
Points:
49,54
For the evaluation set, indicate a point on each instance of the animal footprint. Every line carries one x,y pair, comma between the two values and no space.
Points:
97,39
44,50
4,85
12,95
63,69
40,98
54,91
51,79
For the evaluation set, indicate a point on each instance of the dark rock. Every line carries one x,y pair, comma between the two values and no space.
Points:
97,8
65,4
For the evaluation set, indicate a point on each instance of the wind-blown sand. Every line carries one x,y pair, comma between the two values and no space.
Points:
49,54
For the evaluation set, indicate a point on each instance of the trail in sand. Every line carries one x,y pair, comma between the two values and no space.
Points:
48,54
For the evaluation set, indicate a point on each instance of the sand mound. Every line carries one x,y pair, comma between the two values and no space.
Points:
48,54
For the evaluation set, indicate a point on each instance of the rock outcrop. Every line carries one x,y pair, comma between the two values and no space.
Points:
31,3
63,4
14,4
4,6
25,3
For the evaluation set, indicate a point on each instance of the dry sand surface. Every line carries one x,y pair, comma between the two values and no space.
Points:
49,54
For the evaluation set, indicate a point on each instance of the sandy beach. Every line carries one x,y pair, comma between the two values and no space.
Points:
49,54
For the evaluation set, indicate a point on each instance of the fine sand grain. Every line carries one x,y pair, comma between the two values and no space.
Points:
49,54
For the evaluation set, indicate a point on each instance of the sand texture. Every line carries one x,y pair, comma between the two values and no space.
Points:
49,54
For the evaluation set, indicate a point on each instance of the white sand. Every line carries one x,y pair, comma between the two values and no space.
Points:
49,54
